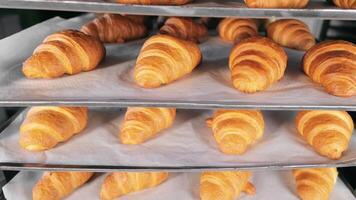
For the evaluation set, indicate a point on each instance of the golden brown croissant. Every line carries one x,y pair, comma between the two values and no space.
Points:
333,65
184,28
348,4
235,30
256,63
164,59
316,183
276,3
140,19
58,185
121,183
155,2
114,28
141,124
291,33
235,130
226,185
327,131
65,52
45,126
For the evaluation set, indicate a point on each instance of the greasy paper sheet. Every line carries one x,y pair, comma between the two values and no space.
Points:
179,186
188,144
207,86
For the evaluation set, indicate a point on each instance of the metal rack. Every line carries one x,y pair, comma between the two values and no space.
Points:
222,8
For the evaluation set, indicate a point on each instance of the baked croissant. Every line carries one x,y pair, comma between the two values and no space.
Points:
184,28
327,131
113,28
235,30
333,65
65,52
122,183
315,183
291,33
58,185
226,185
235,130
141,124
276,3
140,19
164,59
348,4
155,2
45,126
256,63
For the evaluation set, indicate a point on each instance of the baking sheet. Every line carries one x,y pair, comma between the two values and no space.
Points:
318,9
269,186
112,85
187,145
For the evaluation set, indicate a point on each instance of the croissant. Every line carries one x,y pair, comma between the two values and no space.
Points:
348,4
141,124
327,131
58,185
140,19
114,28
155,2
235,30
333,65
65,52
256,63
315,183
164,59
226,185
276,3
184,28
235,130
121,183
291,33
45,126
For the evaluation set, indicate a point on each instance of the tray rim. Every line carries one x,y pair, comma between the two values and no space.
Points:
324,10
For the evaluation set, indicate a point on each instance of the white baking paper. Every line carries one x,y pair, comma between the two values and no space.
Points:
209,84
188,144
270,185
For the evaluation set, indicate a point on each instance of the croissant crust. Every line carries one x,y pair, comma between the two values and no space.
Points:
333,65
235,30
276,3
348,4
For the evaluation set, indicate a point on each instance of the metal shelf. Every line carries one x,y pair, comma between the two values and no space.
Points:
218,8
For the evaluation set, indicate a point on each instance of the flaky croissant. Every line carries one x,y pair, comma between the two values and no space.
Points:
226,185
45,126
114,28
164,59
65,52
58,185
333,65
256,63
184,28
315,183
235,30
235,130
291,33
121,183
348,4
327,131
141,124
154,2
276,3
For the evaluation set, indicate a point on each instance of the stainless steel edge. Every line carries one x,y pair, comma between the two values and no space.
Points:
103,168
222,8
176,104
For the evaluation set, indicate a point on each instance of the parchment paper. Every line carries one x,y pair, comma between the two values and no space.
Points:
180,186
187,144
112,81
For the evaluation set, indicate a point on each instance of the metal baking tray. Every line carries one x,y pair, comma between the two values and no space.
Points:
207,8
269,186
111,84
187,146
